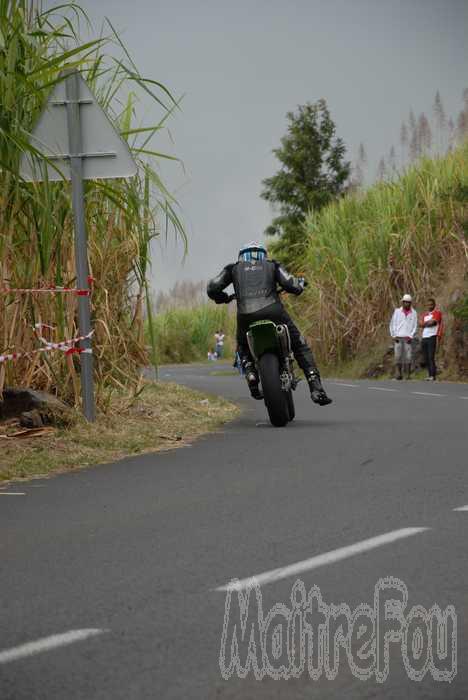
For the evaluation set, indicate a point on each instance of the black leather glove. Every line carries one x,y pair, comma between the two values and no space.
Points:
221,298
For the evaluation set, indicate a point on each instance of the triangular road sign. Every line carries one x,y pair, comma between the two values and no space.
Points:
104,153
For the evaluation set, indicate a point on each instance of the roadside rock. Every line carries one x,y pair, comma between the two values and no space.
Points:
31,419
20,401
381,366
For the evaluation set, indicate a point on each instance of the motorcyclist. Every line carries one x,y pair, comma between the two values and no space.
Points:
257,282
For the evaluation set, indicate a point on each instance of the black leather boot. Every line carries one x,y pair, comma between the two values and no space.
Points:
317,392
252,380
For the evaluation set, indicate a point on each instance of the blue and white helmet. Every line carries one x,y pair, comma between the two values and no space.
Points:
252,251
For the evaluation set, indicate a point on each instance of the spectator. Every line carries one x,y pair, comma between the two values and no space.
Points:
403,327
431,324
219,337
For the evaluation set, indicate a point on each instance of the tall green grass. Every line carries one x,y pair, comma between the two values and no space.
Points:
36,224
367,249
186,335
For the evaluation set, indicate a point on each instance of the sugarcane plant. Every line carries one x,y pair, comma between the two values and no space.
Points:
36,224
365,251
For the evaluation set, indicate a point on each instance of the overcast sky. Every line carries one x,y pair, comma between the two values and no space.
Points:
242,64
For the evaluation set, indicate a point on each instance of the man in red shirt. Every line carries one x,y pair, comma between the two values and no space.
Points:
431,324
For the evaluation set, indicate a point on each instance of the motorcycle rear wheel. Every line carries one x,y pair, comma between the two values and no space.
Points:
275,398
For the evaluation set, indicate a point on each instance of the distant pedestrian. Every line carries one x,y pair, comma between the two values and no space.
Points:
219,338
403,327
431,324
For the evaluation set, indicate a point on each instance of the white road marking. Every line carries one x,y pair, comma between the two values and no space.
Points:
47,643
12,493
381,388
353,386
461,508
426,393
321,559
464,397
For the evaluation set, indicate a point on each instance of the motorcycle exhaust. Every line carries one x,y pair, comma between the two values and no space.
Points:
284,339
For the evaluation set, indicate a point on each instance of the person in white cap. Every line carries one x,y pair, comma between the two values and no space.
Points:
403,327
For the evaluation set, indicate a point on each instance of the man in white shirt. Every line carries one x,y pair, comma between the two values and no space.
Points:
403,327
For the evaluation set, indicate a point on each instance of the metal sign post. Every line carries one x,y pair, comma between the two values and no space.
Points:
72,91
75,134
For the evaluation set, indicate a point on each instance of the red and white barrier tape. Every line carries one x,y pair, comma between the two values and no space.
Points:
66,345
51,290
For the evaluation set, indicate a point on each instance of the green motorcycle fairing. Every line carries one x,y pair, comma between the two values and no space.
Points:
262,337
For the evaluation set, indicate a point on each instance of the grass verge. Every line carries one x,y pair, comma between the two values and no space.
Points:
164,416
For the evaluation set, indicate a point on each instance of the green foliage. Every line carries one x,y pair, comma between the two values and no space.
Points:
186,335
313,173
460,309
365,250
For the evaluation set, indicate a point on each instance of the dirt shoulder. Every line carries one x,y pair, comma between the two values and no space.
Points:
164,416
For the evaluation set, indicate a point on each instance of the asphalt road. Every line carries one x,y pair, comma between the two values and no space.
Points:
115,581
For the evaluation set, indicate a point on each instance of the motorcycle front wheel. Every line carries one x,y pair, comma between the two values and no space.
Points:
275,398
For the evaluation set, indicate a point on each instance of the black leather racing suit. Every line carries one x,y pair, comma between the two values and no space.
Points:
256,286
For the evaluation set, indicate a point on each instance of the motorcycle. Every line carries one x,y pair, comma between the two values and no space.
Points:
270,346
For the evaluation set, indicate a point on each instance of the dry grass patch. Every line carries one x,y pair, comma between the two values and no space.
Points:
164,416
